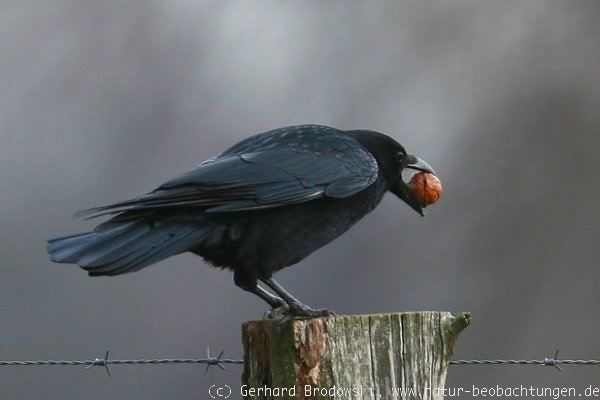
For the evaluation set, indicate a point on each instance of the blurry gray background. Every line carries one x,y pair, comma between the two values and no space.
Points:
104,100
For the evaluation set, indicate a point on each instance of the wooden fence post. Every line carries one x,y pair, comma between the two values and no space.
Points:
380,356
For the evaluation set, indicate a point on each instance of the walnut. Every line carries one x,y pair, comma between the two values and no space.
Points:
426,188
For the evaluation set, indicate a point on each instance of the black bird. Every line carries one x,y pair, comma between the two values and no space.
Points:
264,204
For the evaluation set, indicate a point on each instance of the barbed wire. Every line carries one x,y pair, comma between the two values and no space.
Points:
546,362
219,362
105,361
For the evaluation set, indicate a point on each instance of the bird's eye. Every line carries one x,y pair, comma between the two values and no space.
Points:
400,155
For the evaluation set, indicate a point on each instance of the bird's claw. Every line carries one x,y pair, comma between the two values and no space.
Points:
286,313
276,313
303,311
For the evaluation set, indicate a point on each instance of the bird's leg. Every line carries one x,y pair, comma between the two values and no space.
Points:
279,308
272,300
297,309
249,283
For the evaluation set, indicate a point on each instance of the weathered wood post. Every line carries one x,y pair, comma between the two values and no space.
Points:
381,356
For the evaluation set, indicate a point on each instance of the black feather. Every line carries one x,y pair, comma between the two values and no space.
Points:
286,171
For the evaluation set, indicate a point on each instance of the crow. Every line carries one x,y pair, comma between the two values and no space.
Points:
264,204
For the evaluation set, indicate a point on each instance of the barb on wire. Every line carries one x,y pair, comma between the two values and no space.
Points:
212,361
102,362
552,361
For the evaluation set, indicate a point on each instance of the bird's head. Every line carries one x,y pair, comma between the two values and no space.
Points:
393,159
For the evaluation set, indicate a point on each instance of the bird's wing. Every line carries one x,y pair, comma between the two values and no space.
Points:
270,176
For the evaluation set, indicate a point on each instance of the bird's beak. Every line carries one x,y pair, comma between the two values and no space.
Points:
401,189
415,162
403,192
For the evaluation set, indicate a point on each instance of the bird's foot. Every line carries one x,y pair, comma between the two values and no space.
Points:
304,311
277,313
287,313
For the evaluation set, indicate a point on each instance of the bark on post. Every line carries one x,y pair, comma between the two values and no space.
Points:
381,356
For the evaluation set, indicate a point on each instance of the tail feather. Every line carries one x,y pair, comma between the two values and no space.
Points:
152,253
113,268
65,238
68,249
126,248
108,250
